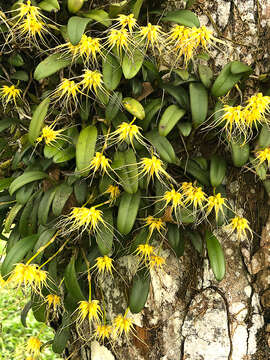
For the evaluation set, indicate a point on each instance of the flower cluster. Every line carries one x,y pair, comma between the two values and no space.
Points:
239,121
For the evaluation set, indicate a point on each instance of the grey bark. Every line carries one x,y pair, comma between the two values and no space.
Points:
188,314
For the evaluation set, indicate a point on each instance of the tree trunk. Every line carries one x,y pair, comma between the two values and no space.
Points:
188,314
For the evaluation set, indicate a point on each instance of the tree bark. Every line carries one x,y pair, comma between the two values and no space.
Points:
188,314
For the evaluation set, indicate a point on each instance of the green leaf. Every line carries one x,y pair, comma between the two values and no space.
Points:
37,120
113,106
24,179
20,75
85,148
179,93
183,17
134,107
100,16
49,5
216,256
104,237
152,107
206,75
137,8
64,155
6,123
62,194
225,81
75,28
50,66
132,64
162,146
237,67
139,291
112,72
5,183
198,103
74,5
16,60
169,119
44,206
117,8
240,153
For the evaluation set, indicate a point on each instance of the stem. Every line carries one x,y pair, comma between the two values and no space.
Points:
42,248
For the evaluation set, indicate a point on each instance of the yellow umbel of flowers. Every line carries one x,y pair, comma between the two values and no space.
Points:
156,262
256,108
114,192
127,21
127,132
120,39
28,275
241,225
174,197
153,35
195,197
100,161
217,203
33,346
66,91
262,156
90,310
153,167
154,224
103,332
53,301
89,48
92,80
49,135
122,324
9,94
82,218
28,9
144,251
104,264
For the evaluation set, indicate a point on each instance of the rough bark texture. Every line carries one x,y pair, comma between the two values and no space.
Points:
188,314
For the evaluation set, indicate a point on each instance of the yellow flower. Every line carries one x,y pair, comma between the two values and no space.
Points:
100,161
174,197
144,251
49,135
256,108
32,30
122,324
153,167
103,332
195,196
185,41
114,192
67,90
28,9
33,346
262,156
90,310
120,39
154,224
235,122
156,261
82,218
104,264
9,94
153,35
217,203
28,275
241,225
126,132
127,21
92,81
89,48
53,301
